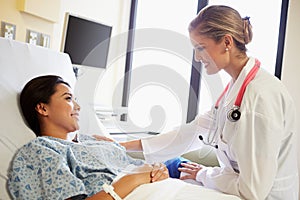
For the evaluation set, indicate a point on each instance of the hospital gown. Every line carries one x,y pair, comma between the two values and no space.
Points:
52,168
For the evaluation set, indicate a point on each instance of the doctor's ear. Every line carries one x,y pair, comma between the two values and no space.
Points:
41,108
228,41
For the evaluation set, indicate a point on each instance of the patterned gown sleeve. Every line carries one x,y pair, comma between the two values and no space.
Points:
40,173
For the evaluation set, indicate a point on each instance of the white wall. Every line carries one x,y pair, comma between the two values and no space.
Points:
23,21
111,12
114,13
291,62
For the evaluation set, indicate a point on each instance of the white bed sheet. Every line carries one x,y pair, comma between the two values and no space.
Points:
175,189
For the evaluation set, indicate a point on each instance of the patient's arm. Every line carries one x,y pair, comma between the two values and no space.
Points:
129,182
124,185
158,170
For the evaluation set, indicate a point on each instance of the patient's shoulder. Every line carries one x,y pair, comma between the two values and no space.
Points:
42,145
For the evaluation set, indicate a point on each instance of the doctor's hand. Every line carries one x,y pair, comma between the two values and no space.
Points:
190,169
103,138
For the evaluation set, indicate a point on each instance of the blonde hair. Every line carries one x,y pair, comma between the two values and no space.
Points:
218,20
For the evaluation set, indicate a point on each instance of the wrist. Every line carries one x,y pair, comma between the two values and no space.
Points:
140,178
200,175
109,189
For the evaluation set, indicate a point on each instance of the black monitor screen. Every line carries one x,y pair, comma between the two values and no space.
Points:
86,41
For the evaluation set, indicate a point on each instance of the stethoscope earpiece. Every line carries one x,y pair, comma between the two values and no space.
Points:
234,114
201,137
212,145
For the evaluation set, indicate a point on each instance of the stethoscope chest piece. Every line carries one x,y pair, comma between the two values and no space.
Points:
234,114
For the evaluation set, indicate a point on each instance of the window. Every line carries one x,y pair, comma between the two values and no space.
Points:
161,64
263,45
162,85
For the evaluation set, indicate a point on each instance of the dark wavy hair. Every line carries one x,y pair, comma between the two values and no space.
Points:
37,90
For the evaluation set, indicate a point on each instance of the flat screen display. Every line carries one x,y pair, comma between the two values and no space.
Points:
86,41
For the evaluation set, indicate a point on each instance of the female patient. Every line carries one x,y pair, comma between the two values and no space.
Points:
52,167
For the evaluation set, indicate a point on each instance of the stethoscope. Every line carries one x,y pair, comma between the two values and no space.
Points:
234,114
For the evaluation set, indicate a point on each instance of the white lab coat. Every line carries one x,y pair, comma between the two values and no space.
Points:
257,154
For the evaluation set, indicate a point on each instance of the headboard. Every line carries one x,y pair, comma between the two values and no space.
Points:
20,62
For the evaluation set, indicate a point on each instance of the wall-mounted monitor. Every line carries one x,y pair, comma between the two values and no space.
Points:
86,41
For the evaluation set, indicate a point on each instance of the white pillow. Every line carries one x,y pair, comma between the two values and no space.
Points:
19,63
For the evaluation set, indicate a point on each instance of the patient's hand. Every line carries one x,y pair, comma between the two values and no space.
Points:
191,169
159,172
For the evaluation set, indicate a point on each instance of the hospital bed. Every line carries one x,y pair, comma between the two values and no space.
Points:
20,62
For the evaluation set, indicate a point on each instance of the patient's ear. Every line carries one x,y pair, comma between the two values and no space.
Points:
41,108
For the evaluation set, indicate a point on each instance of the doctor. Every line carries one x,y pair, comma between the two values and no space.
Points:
252,125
